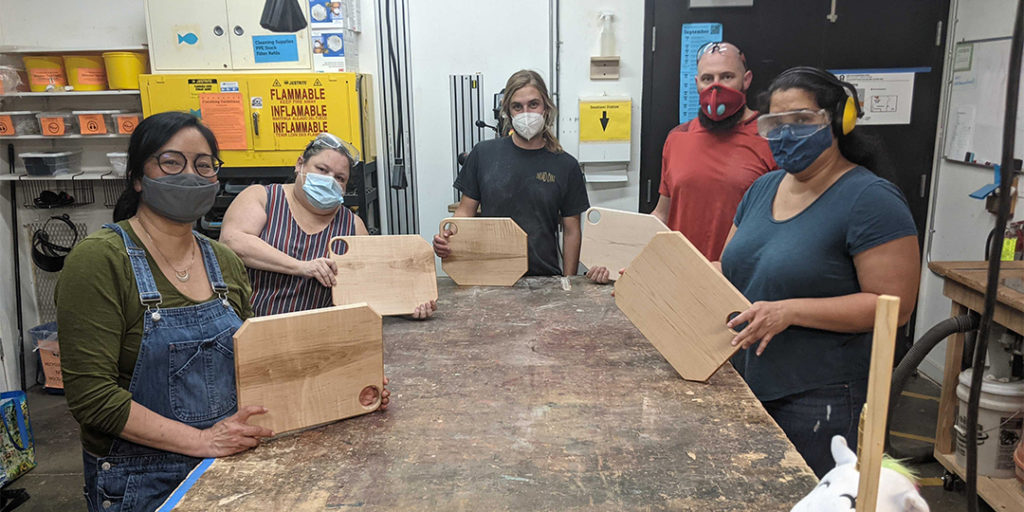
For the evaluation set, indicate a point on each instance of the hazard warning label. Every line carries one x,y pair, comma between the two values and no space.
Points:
298,108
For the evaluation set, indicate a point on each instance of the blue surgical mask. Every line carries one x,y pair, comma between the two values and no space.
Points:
796,146
323,192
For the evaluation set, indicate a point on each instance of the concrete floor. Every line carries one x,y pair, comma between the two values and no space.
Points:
56,483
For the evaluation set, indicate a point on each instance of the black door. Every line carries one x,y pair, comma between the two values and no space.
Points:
778,34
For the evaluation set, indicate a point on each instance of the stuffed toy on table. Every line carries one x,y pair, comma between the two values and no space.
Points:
897,489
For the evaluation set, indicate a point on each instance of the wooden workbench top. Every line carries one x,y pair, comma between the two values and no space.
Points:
525,398
974,275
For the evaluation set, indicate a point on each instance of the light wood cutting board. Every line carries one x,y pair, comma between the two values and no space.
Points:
309,367
391,273
489,251
680,303
612,238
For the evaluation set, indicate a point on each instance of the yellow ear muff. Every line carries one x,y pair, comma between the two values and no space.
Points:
849,115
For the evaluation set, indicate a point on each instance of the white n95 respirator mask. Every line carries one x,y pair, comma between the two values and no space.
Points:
528,124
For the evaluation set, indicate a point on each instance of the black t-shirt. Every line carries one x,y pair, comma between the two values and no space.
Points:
533,186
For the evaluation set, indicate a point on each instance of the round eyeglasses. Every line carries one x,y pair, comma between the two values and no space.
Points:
174,162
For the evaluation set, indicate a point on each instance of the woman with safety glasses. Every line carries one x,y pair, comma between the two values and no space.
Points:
281,232
147,309
812,246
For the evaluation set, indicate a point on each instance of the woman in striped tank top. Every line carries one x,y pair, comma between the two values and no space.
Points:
281,232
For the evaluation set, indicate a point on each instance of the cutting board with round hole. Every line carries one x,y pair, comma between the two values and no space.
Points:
391,273
310,367
681,304
612,238
488,251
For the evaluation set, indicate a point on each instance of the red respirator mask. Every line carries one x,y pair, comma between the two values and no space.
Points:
719,102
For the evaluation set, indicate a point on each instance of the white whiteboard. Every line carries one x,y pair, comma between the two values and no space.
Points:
977,101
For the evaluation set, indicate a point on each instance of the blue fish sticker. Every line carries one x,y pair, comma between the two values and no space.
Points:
189,38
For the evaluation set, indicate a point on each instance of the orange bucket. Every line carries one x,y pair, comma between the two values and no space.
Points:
43,71
86,72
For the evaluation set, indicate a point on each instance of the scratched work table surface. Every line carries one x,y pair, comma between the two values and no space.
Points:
525,398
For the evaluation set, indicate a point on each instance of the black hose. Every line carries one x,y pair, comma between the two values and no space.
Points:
909,364
992,287
970,340
17,274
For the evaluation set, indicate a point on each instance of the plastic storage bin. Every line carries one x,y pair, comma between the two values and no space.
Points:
124,68
118,162
48,373
47,164
85,72
19,123
57,124
9,80
44,71
125,122
95,122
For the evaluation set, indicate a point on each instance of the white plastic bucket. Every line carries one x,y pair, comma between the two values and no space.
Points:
1000,421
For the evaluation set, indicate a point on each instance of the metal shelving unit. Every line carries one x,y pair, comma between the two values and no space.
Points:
64,137
70,94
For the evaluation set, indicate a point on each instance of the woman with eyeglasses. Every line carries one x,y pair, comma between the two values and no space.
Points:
812,246
281,232
147,309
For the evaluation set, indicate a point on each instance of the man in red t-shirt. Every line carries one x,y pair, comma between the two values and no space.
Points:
708,163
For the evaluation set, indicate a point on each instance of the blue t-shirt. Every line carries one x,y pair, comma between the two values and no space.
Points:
810,255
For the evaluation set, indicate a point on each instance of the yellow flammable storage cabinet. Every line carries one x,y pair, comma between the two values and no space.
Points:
266,120
263,121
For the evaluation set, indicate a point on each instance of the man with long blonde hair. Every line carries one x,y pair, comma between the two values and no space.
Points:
526,176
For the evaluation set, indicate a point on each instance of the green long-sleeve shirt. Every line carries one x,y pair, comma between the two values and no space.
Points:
99,319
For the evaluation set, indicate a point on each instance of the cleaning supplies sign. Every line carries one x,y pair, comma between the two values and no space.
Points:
276,48
602,121
298,108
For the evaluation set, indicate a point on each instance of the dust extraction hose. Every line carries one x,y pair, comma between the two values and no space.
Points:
909,364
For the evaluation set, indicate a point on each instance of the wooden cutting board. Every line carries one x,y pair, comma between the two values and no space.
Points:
612,238
489,251
680,303
391,273
309,367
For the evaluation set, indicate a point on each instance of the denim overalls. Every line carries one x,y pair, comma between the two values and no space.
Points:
185,371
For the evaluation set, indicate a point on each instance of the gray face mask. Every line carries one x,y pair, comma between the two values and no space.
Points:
180,197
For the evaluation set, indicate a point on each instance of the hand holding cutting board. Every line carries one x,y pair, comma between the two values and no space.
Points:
488,251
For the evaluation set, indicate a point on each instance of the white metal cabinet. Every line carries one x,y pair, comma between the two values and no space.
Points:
218,35
246,35
186,35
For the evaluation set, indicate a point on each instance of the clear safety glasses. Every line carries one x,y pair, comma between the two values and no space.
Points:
798,123
332,141
720,47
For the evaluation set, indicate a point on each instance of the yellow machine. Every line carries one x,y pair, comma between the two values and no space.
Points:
265,120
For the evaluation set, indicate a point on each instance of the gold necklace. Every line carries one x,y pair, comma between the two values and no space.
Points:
181,275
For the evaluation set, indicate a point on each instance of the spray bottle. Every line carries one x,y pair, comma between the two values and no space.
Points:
607,36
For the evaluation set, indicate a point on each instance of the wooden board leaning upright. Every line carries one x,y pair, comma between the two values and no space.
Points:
681,304
872,443
391,273
488,251
613,238
309,367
